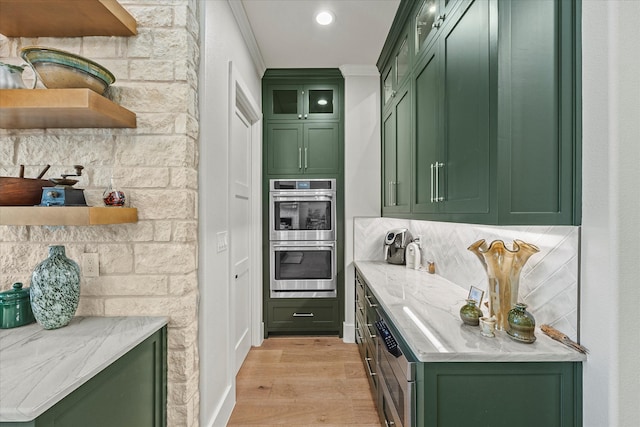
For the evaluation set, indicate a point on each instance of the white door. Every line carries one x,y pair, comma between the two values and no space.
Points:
240,221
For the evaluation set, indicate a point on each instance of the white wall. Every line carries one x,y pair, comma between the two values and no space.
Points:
611,212
221,42
362,165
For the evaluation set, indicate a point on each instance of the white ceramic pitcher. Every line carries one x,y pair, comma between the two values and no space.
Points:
11,77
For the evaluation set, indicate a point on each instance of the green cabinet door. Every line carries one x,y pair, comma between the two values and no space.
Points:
453,121
503,394
428,133
539,168
464,176
296,148
284,148
302,102
321,151
396,185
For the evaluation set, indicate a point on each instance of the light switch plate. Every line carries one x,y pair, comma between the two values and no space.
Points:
90,265
223,241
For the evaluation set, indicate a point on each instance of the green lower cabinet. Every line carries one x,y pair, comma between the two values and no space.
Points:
131,392
491,394
296,315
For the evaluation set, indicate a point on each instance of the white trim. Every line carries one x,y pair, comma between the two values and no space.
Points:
247,34
223,412
357,70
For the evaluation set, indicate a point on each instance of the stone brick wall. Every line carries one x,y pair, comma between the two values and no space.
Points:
150,267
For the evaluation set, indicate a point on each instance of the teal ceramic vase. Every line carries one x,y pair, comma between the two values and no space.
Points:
521,324
470,313
55,289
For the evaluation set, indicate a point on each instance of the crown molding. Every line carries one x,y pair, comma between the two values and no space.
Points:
358,70
247,34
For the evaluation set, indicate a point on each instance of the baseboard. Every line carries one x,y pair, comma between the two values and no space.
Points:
223,411
348,332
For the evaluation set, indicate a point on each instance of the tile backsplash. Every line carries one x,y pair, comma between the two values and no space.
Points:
549,282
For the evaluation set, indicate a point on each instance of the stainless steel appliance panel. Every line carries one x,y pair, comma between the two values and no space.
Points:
302,209
302,269
396,377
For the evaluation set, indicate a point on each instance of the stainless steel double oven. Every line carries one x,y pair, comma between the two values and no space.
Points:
302,238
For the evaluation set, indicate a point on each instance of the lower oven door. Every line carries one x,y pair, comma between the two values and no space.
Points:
302,269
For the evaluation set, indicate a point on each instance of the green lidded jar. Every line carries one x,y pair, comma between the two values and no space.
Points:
522,324
15,307
470,313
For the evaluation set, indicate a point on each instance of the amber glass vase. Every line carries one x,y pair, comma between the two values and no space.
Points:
503,267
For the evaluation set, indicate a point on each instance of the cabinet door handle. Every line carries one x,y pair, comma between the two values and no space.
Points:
306,116
367,361
371,335
299,116
299,158
439,20
371,305
432,181
439,198
305,156
302,314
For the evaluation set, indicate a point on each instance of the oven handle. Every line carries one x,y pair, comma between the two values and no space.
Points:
293,245
307,197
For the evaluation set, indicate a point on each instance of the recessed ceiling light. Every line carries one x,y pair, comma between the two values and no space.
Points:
324,18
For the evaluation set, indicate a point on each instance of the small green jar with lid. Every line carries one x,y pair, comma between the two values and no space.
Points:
15,307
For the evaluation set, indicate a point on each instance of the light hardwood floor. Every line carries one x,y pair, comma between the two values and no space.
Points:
303,381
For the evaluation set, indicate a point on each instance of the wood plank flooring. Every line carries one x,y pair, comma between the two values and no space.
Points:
303,381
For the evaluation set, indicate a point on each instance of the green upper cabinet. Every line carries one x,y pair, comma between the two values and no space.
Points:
302,102
493,116
303,126
538,150
303,148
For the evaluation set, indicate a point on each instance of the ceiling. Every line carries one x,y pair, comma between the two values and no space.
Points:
287,35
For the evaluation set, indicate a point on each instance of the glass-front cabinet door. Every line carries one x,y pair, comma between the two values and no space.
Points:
429,19
302,102
396,74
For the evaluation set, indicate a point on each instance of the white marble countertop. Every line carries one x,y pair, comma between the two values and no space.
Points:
39,367
425,309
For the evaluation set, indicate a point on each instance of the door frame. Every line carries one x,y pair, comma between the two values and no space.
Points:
240,97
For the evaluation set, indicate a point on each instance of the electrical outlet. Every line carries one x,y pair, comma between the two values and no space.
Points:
223,241
90,265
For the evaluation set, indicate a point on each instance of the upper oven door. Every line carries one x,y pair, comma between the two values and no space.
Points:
302,215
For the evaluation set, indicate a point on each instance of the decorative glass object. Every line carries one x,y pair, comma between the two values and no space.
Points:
55,289
503,267
112,196
470,313
521,324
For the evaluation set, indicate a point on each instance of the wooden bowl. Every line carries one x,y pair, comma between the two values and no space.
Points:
21,191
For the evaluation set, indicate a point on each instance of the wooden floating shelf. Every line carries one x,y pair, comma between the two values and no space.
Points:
65,18
66,215
61,108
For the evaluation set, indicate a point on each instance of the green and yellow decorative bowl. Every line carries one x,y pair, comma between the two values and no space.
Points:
58,69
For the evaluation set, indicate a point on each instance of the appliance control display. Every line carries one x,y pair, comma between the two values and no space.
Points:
303,185
389,341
